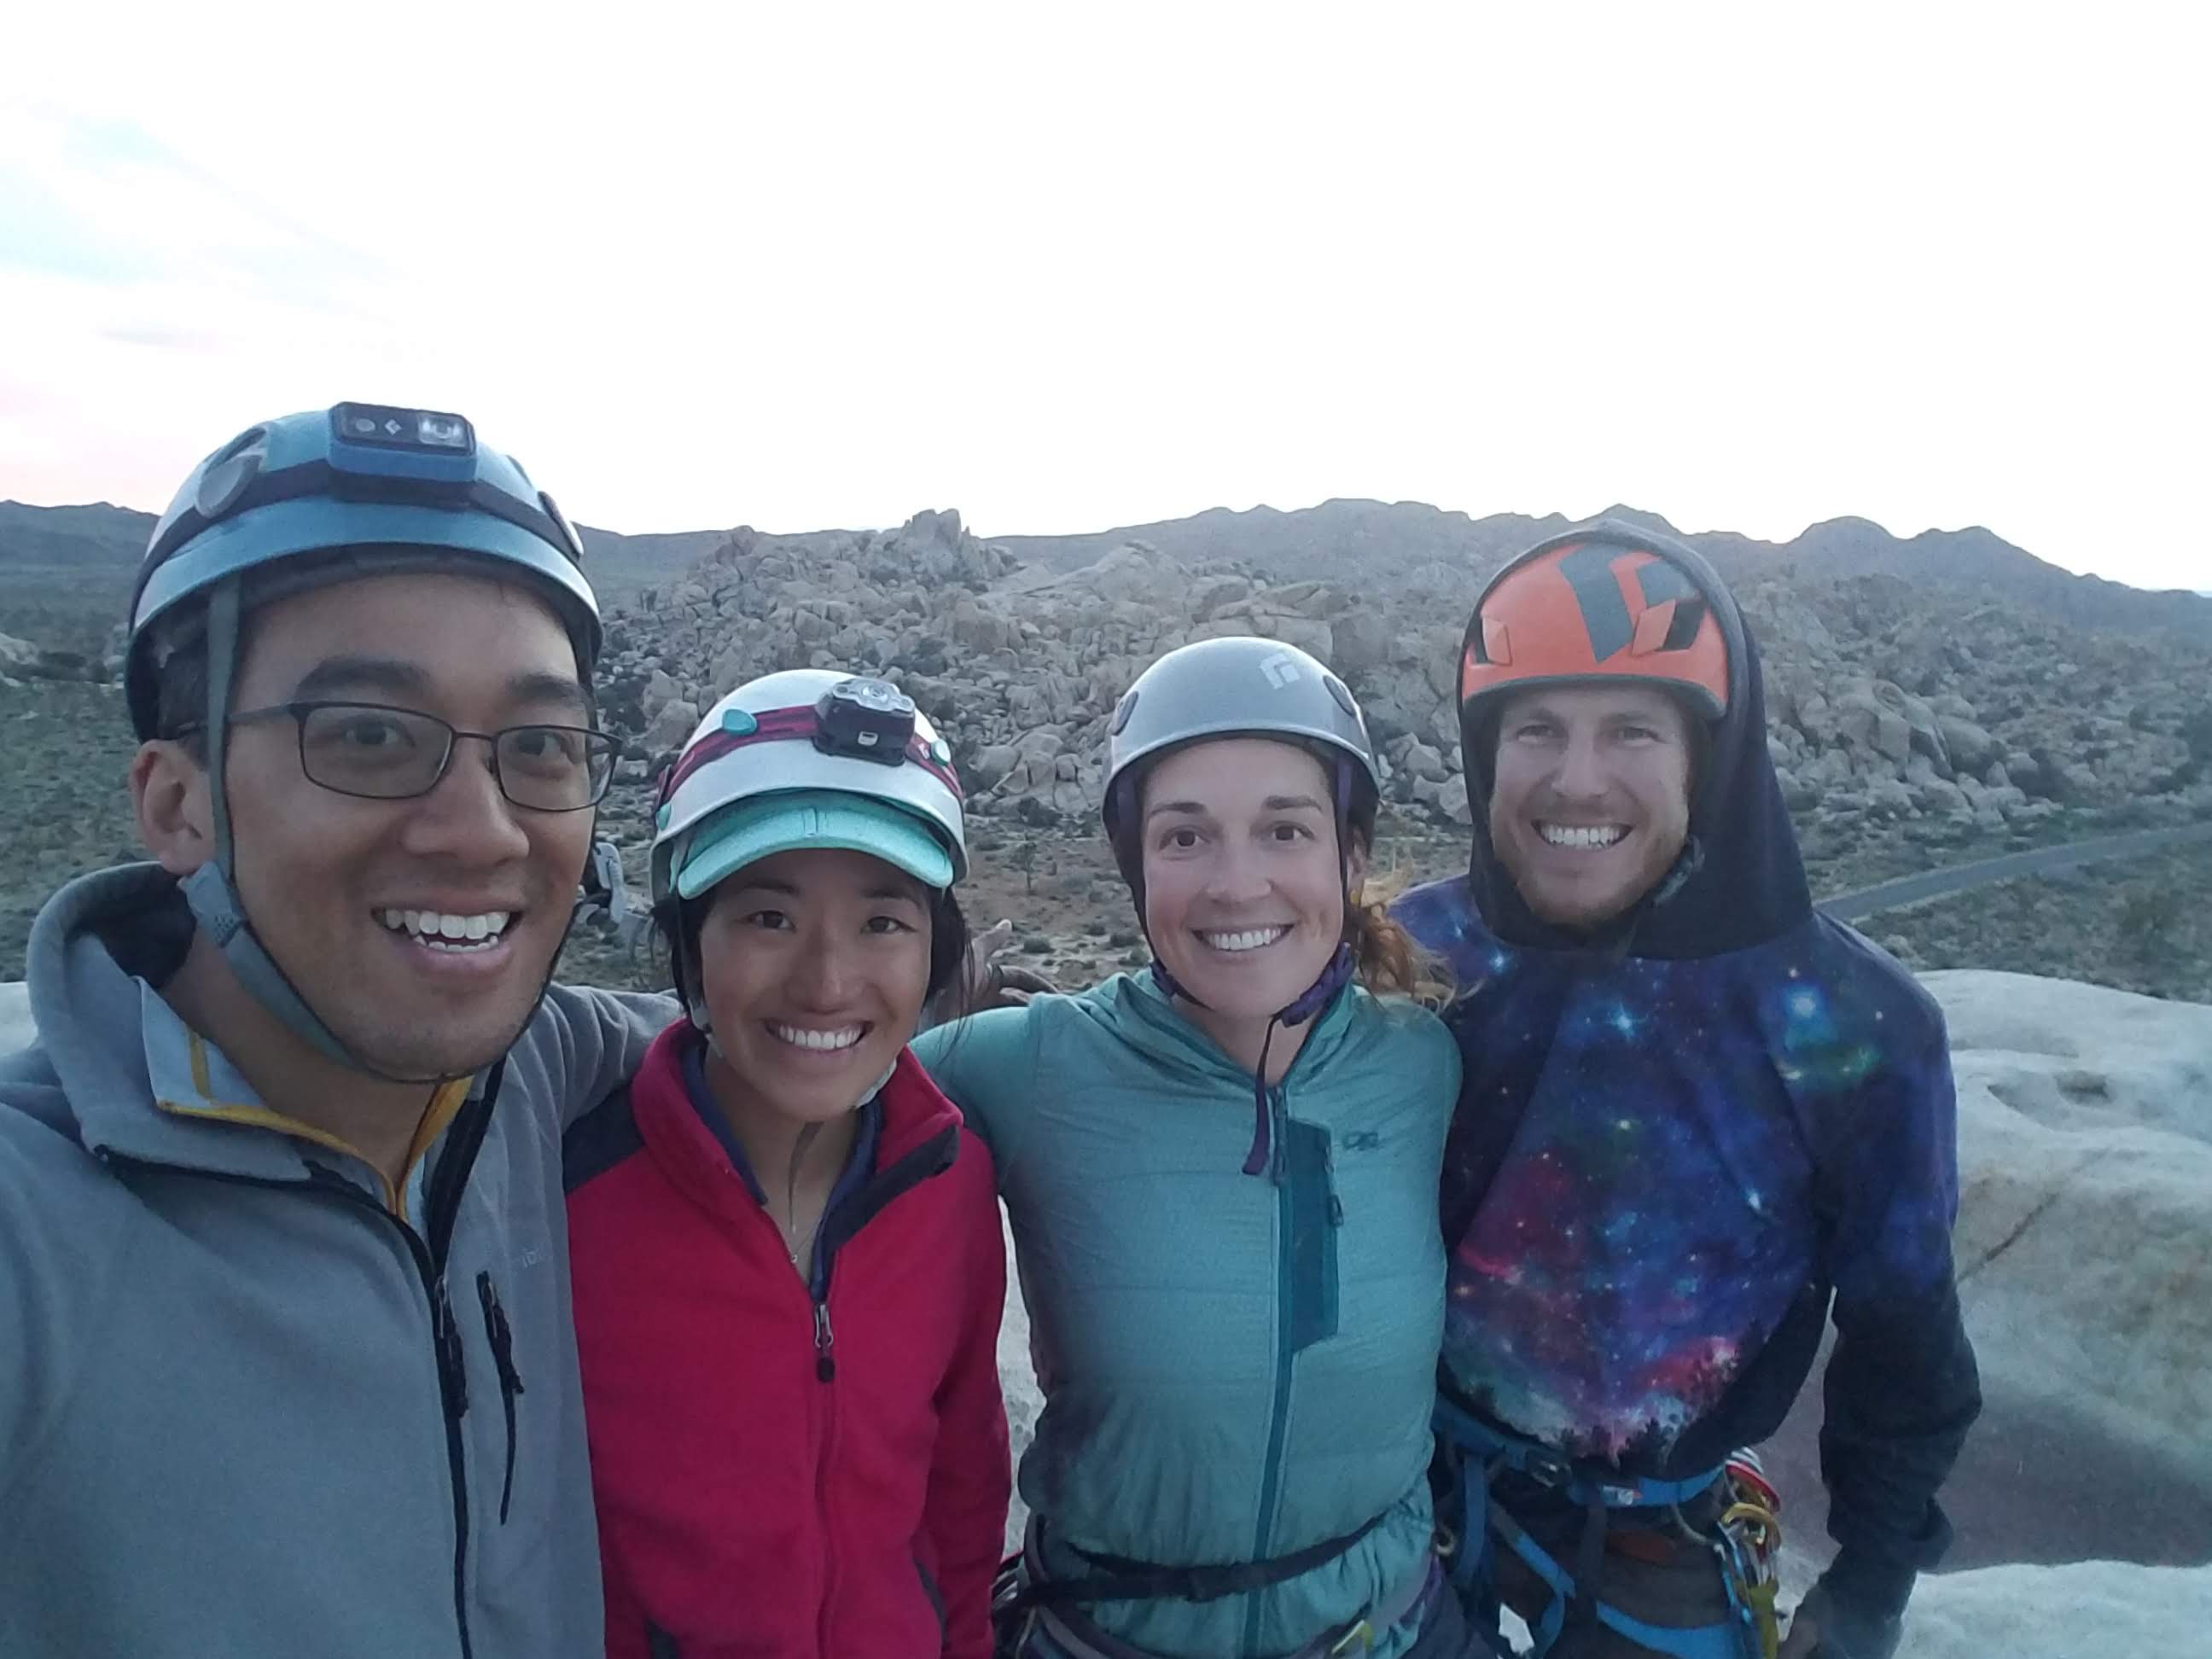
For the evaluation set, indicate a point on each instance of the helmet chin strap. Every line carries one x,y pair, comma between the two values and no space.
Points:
1308,1003
212,891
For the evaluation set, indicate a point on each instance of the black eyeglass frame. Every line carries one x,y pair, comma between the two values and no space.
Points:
600,747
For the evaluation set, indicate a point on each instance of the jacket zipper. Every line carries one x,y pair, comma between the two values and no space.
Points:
463,1142
933,1158
1271,1477
510,1380
826,1371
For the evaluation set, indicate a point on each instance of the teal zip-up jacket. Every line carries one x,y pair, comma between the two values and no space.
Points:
252,1402
1234,1367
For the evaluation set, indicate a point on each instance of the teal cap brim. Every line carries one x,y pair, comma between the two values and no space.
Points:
768,825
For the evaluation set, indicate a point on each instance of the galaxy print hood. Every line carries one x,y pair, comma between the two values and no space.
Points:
1739,881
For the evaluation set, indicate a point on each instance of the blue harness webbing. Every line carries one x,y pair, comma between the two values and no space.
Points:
1482,1449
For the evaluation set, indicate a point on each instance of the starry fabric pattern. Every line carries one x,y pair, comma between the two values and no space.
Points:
1688,1141
1654,1158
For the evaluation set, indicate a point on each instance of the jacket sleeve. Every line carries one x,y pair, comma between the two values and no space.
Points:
590,1040
1902,1389
972,1475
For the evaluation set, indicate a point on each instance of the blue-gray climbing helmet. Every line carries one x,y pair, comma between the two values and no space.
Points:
360,489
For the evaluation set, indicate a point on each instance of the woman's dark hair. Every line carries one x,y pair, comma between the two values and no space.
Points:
677,923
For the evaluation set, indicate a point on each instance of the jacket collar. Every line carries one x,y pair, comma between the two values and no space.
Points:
917,1134
142,1085
1144,1014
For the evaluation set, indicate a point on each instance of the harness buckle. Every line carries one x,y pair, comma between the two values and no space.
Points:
1548,1468
1360,1639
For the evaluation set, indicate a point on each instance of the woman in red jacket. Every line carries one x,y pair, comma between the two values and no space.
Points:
787,1261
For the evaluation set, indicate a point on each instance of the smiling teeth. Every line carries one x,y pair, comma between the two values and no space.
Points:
824,1041
1582,834
1251,938
445,931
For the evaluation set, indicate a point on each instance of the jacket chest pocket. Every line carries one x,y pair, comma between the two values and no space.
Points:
1312,1216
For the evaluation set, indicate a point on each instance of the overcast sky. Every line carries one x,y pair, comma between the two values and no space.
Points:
1065,267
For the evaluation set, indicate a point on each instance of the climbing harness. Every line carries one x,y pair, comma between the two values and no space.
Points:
1745,1540
1034,1616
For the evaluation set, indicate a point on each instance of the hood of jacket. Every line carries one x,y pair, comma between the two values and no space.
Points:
1740,880
98,952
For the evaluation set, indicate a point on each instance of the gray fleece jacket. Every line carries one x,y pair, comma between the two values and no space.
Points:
245,1408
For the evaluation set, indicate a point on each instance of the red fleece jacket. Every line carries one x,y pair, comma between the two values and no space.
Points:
773,1476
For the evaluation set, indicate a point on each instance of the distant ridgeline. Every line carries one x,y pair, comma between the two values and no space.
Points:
108,540
1339,541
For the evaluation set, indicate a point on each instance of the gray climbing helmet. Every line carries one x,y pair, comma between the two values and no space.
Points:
1243,688
1235,688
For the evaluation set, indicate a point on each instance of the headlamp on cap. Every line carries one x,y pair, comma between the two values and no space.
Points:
867,720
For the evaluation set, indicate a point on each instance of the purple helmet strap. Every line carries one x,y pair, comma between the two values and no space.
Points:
1263,1133
1305,1006
1316,996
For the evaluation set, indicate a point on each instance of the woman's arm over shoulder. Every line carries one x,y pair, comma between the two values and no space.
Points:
986,1064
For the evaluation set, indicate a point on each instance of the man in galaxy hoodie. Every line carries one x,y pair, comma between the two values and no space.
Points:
1697,1118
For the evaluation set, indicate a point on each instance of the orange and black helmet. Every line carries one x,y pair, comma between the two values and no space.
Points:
1599,606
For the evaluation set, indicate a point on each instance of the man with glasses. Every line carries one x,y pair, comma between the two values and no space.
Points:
286,1363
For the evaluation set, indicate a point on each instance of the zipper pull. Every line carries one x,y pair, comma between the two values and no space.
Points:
446,1338
825,1362
501,1334
510,1380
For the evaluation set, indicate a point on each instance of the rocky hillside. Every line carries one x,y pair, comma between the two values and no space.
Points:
1960,716
1369,542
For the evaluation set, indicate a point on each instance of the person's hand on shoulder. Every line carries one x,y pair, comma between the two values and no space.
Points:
986,982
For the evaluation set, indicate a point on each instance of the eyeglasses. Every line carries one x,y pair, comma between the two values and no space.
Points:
379,753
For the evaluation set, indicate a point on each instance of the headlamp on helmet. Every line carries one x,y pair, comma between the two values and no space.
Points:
867,720
380,428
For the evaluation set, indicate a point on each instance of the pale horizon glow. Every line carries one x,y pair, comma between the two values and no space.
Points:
1067,269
